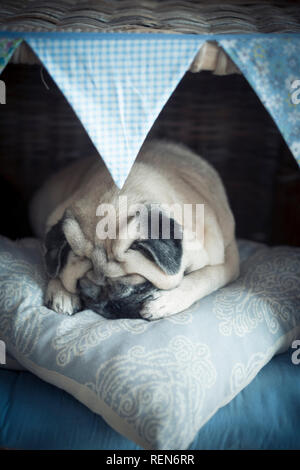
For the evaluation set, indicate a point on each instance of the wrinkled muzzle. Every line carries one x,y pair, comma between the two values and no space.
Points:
115,300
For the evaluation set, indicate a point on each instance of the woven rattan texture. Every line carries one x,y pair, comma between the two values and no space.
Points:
189,16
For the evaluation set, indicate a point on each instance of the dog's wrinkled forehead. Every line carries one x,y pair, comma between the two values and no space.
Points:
151,247
103,266
157,259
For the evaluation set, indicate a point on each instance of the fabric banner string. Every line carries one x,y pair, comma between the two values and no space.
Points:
118,84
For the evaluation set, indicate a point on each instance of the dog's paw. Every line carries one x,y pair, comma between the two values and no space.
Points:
163,304
60,300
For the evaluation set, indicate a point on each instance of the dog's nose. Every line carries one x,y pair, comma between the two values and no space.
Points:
88,288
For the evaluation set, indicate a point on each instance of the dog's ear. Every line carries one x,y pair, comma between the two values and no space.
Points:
57,249
166,251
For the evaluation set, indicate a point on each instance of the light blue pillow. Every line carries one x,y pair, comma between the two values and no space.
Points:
157,382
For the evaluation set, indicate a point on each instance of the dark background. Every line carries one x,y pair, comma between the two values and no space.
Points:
219,117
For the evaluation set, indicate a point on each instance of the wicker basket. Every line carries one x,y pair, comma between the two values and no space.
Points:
220,117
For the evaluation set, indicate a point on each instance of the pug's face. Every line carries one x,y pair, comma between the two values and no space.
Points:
115,277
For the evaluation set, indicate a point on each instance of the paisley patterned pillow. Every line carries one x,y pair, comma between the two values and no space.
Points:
157,383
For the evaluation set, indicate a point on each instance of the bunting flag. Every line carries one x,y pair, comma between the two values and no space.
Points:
272,67
7,48
117,84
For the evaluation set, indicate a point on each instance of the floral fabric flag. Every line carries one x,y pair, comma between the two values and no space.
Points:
7,48
272,67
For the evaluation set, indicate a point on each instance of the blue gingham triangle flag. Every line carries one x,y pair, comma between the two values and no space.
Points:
272,67
117,84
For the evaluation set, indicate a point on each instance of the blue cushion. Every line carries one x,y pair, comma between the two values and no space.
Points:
157,383
265,415
37,415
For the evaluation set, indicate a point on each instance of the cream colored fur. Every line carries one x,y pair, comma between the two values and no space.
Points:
164,173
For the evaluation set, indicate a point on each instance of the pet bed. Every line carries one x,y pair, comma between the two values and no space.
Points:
265,415
157,383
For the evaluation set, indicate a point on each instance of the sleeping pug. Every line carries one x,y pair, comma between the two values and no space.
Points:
107,261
